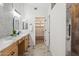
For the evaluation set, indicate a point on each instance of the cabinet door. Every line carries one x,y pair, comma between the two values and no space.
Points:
21,47
26,42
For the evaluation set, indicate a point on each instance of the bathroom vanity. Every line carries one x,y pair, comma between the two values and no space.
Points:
14,46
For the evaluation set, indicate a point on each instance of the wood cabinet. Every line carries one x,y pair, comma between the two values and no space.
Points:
10,51
26,42
23,45
16,49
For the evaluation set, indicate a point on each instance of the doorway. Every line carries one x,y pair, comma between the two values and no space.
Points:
39,29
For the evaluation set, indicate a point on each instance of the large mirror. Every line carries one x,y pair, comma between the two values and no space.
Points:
16,18
16,24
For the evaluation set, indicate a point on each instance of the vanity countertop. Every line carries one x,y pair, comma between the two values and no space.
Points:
7,41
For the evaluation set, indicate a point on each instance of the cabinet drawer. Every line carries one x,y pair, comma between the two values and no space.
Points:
14,52
8,50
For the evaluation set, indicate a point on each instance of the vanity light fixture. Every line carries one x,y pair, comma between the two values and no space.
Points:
15,13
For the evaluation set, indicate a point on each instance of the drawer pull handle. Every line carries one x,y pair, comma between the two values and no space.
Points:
13,53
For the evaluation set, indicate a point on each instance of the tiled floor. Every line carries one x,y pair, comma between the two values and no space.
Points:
38,50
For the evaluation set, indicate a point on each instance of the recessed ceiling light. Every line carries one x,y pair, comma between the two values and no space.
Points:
35,8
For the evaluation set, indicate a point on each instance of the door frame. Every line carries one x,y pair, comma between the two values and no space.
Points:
49,32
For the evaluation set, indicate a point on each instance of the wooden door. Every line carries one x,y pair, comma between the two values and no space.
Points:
75,29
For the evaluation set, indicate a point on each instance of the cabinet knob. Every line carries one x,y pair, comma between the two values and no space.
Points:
12,53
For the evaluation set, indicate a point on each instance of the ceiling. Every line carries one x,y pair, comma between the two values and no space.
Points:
26,9
38,4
